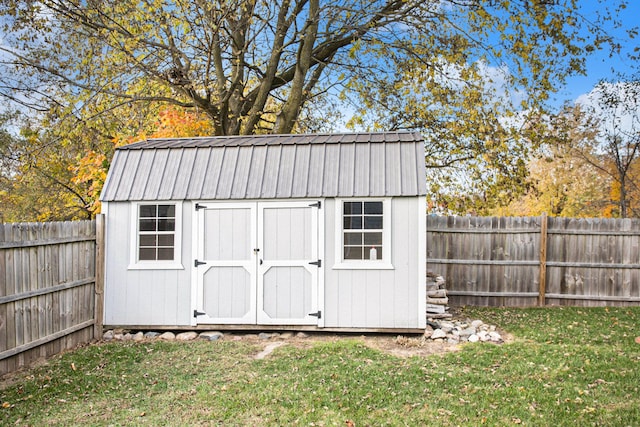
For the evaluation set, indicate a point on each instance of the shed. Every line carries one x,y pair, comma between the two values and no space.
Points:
304,232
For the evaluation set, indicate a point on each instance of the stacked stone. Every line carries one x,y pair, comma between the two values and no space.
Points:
437,300
459,331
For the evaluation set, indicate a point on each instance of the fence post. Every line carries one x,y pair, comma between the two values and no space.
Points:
99,287
543,260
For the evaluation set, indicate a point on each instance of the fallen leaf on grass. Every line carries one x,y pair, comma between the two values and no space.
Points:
73,366
6,405
350,423
638,340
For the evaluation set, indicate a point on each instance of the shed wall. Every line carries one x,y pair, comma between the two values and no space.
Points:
380,298
352,298
144,297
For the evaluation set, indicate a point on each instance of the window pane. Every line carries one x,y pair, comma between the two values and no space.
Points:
353,239
147,225
165,240
148,211
165,254
352,253
166,224
353,223
373,208
373,222
166,211
148,240
351,208
147,254
373,239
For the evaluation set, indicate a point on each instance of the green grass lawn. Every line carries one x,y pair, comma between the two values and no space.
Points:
564,367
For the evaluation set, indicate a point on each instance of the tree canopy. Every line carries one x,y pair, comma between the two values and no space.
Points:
471,74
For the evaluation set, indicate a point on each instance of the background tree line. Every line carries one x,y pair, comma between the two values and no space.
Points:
80,78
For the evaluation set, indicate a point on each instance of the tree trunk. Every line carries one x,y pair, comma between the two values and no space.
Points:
287,117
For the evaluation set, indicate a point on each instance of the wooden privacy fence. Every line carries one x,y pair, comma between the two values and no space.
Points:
523,261
50,289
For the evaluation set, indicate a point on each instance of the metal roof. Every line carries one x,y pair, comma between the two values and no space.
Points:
268,167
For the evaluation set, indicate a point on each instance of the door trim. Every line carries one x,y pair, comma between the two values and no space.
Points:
197,248
316,253
198,273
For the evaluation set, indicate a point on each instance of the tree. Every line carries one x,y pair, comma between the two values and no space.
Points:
95,70
242,62
35,181
616,149
172,122
561,184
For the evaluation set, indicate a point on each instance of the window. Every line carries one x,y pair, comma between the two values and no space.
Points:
362,230
157,228
156,239
363,241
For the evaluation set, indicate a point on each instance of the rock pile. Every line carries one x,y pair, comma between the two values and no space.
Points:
458,331
437,300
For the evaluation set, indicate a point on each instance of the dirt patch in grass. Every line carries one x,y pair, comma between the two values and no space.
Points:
397,345
408,347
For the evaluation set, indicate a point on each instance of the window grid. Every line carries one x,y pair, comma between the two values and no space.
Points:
362,230
156,232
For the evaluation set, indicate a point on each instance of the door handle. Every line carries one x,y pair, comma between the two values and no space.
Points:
260,261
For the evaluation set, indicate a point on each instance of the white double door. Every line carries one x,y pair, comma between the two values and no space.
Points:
258,263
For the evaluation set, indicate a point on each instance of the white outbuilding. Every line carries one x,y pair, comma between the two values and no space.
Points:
301,232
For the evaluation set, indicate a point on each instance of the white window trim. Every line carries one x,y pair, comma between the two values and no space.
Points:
350,264
134,262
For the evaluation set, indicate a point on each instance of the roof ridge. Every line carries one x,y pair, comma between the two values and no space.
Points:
285,135
275,139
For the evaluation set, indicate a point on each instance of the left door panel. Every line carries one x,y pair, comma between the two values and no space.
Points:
226,281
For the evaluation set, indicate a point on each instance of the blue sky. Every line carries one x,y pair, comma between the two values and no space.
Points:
601,65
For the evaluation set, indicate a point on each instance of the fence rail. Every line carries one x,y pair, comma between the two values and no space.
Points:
50,289
524,261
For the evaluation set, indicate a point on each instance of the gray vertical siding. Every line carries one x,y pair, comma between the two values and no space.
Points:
143,297
377,298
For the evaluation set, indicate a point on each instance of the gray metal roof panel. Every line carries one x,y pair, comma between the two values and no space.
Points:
348,166
285,173
280,166
256,173
361,170
315,176
377,176
110,184
392,169
301,170
272,170
181,184
140,178
331,169
241,174
156,175
421,168
197,175
170,175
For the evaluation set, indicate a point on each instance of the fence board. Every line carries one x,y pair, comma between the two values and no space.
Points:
47,294
500,261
